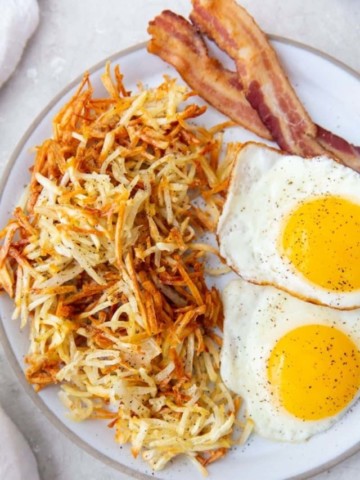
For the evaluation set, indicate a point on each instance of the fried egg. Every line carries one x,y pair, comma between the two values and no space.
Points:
296,364
294,223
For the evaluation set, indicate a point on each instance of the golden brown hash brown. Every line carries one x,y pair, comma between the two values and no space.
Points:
103,262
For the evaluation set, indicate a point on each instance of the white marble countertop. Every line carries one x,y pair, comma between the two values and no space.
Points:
72,36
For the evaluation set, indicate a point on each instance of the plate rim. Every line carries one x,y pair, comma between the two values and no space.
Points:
10,356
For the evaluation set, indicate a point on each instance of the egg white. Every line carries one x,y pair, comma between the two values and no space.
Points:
266,186
256,317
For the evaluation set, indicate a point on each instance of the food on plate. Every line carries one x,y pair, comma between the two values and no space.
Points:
294,223
178,42
105,256
259,80
103,261
299,362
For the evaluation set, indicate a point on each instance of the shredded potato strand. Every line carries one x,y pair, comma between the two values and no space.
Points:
105,265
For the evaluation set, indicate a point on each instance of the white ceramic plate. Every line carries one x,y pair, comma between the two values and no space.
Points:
331,93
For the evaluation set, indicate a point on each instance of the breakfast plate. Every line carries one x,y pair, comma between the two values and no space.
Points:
331,93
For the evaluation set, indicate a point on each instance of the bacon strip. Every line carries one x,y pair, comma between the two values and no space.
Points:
177,42
266,85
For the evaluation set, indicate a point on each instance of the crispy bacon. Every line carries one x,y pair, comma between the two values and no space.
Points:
177,42
265,83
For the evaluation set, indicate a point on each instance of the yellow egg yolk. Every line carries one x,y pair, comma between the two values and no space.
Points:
314,371
322,240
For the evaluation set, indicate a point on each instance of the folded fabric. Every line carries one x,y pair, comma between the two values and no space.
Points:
18,21
17,461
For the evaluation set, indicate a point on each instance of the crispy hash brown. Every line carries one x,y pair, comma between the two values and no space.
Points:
102,261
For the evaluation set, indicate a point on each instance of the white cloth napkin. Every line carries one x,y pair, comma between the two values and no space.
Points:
18,21
17,462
